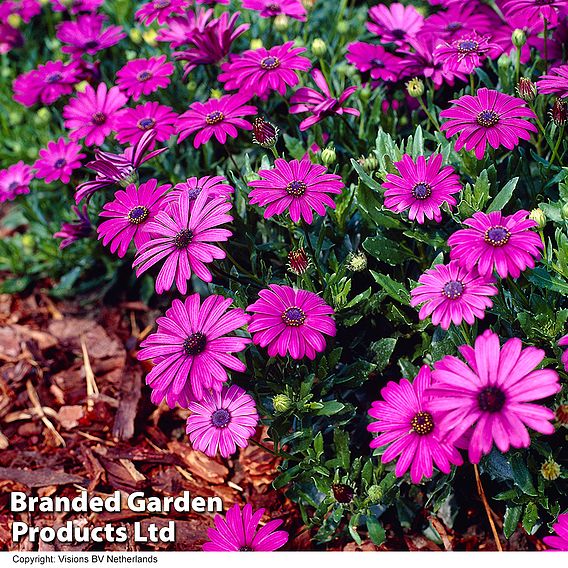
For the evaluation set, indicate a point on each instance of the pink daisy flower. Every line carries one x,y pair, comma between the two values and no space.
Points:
563,342
183,237
555,83
410,429
492,393
497,242
134,122
374,58
79,228
260,71
465,53
530,10
160,10
271,8
10,38
395,23
144,76
321,105
422,187
47,83
93,115
559,541
215,117
290,321
87,35
488,117
58,161
221,421
179,29
15,180
190,190
297,186
451,293
457,20
239,532
76,6
192,348
129,215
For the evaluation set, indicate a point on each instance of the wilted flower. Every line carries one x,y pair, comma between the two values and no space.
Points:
342,493
72,231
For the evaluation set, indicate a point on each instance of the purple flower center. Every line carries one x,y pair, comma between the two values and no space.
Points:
146,123
270,63
221,418
294,317
53,77
245,548
454,26
138,214
467,46
491,399
159,4
422,423
92,44
144,76
195,343
183,238
378,63
398,33
544,2
487,118
275,8
453,289
497,236
214,117
296,188
59,163
422,190
99,118
194,193
13,186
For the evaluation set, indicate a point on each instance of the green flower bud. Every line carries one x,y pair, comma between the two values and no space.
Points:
550,470
281,23
415,87
15,118
255,43
365,94
149,37
319,47
342,27
504,62
15,20
328,155
281,403
519,38
538,216
135,36
356,261
375,494
28,241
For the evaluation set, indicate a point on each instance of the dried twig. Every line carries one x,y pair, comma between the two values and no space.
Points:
39,409
488,510
92,388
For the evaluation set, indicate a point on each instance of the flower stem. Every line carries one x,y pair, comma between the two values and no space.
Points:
487,508
428,114
313,253
471,85
557,145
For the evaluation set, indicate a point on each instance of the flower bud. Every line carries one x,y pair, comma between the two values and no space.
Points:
356,262
328,155
135,36
15,20
43,116
562,410
504,62
342,493
281,403
526,89
80,87
559,113
298,261
369,163
308,4
539,217
415,87
28,241
281,23
342,27
519,38
15,118
319,47
255,43
550,470
365,94
216,94
264,133
375,494
149,37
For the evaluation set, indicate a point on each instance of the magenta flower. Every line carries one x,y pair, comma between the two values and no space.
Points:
134,122
465,53
563,342
422,187
221,421
182,237
530,10
211,42
555,83
93,115
58,161
457,20
410,429
87,35
488,117
290,321
559,541
129,216
14,181
218,117
160,10
497,242
190,190
10,38
72,231
260,71
179,30
271,8
192,348
144,76
239,532
76,6
297,186
320,105
47,83
26,9
492,393
395,23
451,293
368,57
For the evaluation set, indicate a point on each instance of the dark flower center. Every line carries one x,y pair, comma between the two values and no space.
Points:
453,289
342,492
91,44
195,343
398,33
422,423
487,118
296,188
99,118
194,193
221,418
491,399
378,63
497,236
183,238
454,26
467,46
144,76
53,77
214,117
294,317
422,190
159,4
245,549
273,8
544,2
59,163
138,214
270,63
13,186
146,123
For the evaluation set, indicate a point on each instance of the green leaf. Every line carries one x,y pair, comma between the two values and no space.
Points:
376,531
286,477
318,444
365,177
341,441
530,518
511,519
541,278
503,197
521,475
385,250
353,529
383,350
329,408
394,289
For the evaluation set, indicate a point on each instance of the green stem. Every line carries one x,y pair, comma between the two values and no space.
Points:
471,85
427,112
280,454
557,145
518,64
313,253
